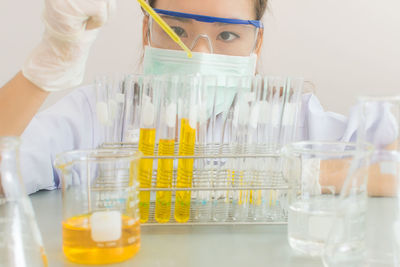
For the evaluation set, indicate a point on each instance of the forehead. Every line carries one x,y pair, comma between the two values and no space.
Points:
238,9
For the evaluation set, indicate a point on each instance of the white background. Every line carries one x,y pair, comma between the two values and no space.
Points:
345,47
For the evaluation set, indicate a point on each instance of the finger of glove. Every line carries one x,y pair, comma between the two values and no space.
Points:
71,17
99,13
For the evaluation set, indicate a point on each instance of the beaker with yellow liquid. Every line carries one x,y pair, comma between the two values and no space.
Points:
166,147
100,205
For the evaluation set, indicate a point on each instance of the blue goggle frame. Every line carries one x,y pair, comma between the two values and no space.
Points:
208,19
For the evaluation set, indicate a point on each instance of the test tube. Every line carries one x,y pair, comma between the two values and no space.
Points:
276,92
256,145
235,134
204,140
166,134
110,103
225,100
188,114
148,121
131,112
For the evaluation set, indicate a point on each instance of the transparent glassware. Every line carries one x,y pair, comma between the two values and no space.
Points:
20,239
189,108
273,123
317,172
235,135
100,205
166,139
110,104
371,201
205,138
149,115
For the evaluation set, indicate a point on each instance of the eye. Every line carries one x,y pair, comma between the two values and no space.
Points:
179,31
228,36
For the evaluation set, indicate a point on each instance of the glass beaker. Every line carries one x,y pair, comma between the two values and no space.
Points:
20,240
100,212
316,172
376,240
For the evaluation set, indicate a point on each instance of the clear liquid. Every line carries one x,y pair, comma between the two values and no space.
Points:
164,180
310,224
185,172
79,247
147,141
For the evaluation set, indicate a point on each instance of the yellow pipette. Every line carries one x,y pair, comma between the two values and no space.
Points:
165,26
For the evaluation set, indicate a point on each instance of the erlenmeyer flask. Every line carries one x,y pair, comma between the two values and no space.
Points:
20,239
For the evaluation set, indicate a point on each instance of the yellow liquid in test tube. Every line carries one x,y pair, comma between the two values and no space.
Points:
79,247
185,171
147,140
164,180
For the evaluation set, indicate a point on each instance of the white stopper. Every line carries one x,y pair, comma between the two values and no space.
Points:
112,109
244,113
193,117
276,114
264,112
203,113
120,98
289,114
148,114
254,115
106,226
102,113
171,113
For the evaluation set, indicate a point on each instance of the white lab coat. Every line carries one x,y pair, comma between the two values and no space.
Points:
72,124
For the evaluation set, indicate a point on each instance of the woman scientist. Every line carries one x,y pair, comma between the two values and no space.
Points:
222,31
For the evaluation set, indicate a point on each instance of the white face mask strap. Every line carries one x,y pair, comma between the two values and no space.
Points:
205,36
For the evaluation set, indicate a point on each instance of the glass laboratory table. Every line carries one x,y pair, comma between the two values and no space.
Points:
165,246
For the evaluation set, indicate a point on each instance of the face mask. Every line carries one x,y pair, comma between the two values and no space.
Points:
163,61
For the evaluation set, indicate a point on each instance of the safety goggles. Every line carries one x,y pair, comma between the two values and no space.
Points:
233,37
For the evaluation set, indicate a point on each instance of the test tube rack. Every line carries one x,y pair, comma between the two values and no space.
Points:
247,188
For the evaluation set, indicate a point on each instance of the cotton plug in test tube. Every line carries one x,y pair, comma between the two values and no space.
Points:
147,140
166,146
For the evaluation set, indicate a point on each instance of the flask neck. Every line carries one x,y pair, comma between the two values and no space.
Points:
10,183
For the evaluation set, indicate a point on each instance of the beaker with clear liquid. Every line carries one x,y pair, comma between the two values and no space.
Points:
100,205
20,240
376,241
317,172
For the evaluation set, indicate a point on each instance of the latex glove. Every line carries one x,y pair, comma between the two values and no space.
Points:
71,26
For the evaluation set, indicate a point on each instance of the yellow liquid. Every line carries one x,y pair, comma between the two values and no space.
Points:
164,180
44,257
147,140
185,172
79,247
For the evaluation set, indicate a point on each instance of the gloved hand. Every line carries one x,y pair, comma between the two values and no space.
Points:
71,26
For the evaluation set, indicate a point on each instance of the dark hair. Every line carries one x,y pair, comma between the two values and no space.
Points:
259,5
